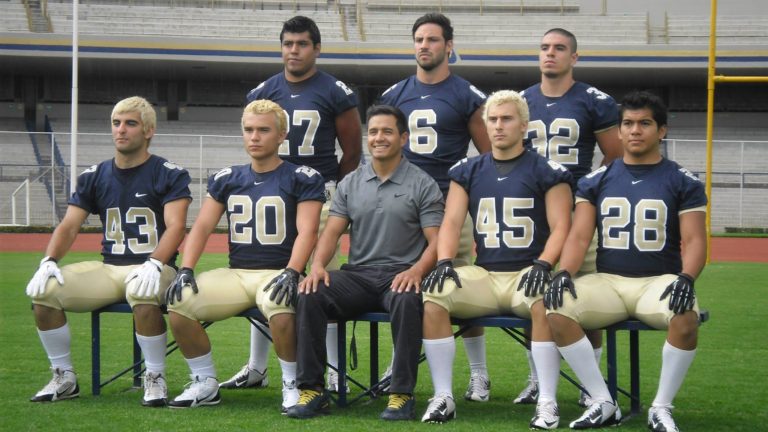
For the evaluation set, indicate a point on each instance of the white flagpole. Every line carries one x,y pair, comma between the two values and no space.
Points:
73,130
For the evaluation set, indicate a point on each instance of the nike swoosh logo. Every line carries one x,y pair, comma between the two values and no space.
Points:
294,96
549,424
60,393
425,96
242,381
397,195
258,183
138,195
550,104
501,178
636,181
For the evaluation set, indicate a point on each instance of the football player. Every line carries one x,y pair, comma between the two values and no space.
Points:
142,201
521,207
393,210
567,118
320,110
650,218
273,211
444,113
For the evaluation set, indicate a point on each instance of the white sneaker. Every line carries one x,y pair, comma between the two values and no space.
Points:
547,416
529,395
598,414
290,395
333,382
660,420
441,409
479,389
246,378
199,392
62,386
155,390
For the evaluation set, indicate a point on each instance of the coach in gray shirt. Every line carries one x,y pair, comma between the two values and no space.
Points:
393,210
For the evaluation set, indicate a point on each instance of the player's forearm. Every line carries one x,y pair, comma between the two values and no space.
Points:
193,248
694,256
169,243
326,247
554,246
61,240
448,241
302,249
349,162
572,256
427,260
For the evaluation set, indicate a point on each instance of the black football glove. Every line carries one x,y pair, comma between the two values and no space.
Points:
444,270
185,276
681,294
536,280
285,286
561,281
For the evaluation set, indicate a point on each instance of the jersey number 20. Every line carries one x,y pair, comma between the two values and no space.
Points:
242,210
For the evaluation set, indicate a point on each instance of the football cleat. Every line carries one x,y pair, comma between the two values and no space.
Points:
401,406
62,386
290,395
155,390
584,399
598,414
529,395
246,378
479,389
547,416
199,392
660,420
310,404
441,409
333,382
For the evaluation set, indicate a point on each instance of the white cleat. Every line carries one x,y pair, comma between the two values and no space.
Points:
441,409
62,386
479,389
155,390
246,378
199,392
547,416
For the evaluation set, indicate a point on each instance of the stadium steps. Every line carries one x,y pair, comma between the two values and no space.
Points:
39,21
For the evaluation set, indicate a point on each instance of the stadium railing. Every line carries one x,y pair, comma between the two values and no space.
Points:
507,323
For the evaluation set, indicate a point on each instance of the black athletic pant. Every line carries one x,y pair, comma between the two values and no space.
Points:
355,290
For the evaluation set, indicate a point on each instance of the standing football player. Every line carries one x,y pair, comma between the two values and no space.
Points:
142,201
393,210
521,207
650,219
320,110
273,211
444,113
567,118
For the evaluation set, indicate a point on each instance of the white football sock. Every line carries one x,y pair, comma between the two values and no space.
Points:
581,357
153,348
332,344
440,354
202,366
547,358
475,348
289,369
598,355
260,345
56,343
533,376
674,365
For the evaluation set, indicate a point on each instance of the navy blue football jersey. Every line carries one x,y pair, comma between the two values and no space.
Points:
563,128
638,208
130,203
438,115
261,211
509,210
312,107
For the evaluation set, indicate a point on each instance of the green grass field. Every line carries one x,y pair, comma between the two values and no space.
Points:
724,391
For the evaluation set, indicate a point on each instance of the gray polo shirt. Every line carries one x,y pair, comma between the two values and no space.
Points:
386,219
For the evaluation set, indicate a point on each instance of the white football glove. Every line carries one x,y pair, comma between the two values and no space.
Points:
147,276
47,270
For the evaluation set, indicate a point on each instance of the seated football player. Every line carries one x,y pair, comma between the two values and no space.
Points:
393,210
649,213
142,201
273,211
520,204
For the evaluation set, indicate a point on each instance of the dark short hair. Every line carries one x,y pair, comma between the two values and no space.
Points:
566,33
374,110
435,18
637,100
301,24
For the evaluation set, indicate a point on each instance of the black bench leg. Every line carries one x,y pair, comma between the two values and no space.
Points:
341,340
634,370
374,340
611,361
95,353
136,358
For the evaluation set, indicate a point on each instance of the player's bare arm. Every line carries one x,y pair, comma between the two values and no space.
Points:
66,232
610,144
579,237
349,133
478,131
206,222
175,216
559,203
693,236
307,223
411,278
456,207
326,246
